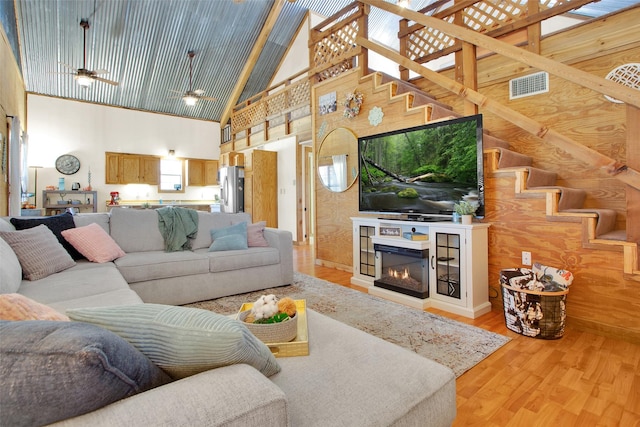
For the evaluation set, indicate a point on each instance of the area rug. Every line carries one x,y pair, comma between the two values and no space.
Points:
451,343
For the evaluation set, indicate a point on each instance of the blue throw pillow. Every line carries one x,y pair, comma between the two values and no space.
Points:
52,370
229,243
229,238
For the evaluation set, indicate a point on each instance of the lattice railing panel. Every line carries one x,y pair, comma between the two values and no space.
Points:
483,16
295,95
336,70
276,103
299,94
335,45
428,40
249,116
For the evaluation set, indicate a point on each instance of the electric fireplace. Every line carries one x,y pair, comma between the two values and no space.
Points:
403,270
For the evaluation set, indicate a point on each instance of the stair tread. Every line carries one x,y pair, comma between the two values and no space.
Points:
615,235
490,141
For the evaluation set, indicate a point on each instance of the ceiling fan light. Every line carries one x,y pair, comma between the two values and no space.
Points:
190,100
403,3
84,81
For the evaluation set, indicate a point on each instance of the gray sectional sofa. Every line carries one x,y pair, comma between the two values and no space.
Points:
350,378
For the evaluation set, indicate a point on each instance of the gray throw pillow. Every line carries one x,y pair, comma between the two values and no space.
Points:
182,341
52,370
57,224
10,272
38,251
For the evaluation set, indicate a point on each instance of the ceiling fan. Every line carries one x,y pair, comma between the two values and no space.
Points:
191,96
83,76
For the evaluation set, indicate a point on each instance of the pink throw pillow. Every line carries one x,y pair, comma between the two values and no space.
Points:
94,243
19,307
255,235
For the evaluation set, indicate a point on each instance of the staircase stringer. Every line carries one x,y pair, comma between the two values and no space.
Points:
405,98
631,267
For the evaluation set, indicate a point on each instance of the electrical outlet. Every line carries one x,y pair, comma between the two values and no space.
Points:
526,258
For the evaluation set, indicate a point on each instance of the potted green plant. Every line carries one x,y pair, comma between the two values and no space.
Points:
466,211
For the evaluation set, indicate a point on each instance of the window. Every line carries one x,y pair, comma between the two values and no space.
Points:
171,176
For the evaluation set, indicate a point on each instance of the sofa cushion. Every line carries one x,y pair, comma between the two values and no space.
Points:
94,243
142,266
100,218
39,252
56,224
19,307
183,341
56,370
237,260
84,285
136,230
362,380
10,272
208,221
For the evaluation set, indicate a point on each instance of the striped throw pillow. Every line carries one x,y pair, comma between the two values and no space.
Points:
182,341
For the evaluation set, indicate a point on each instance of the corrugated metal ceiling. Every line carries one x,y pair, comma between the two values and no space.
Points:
144,44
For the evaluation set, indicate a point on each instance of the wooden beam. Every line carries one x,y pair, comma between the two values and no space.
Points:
252,59
633,160
577,150
582,78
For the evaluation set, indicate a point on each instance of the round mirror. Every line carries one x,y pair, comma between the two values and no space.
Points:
338,160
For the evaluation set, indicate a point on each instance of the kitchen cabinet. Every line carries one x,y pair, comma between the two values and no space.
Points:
122,168
202,172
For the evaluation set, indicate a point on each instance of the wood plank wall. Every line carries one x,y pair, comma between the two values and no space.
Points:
12,103
333,210
601,300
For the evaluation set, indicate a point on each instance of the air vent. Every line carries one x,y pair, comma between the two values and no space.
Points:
532,84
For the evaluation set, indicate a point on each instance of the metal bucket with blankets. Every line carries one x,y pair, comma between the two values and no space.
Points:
535,300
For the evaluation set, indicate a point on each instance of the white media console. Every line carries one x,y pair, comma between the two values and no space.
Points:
445,268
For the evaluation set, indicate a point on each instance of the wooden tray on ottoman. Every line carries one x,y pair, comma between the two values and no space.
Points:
298,346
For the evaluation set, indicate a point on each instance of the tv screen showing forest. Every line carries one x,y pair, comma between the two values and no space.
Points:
423,170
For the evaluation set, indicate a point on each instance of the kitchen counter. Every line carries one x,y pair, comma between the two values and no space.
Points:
199,205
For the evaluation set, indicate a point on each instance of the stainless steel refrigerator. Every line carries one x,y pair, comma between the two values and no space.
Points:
231,179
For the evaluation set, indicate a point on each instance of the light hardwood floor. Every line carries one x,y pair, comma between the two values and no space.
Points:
582,379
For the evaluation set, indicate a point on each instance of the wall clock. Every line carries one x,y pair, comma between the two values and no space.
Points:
67,164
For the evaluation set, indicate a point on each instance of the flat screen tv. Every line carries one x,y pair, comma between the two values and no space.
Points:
421,172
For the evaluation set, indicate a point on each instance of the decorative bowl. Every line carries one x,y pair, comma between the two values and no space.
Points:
284,331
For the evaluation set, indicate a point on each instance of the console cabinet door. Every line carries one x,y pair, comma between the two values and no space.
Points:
446,264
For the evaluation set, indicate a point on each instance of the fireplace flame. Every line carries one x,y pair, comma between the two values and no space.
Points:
403,275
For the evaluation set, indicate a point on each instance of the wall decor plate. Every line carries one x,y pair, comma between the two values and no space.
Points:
375,116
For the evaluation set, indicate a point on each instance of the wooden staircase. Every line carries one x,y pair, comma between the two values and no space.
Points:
562,203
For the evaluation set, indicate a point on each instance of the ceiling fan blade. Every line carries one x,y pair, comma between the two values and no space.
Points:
97,72
207,98
199,92
68,66
111,82
175,91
